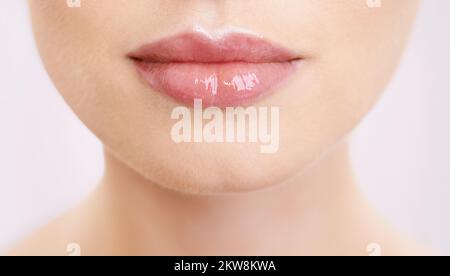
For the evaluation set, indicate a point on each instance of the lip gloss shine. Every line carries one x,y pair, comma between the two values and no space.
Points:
235,69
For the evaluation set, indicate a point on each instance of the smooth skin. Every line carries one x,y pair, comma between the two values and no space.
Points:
162,198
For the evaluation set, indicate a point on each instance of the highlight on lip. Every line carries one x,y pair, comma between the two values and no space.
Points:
234,69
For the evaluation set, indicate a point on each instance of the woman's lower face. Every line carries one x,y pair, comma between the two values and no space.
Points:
303,72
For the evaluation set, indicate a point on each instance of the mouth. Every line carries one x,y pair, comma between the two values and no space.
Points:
234,69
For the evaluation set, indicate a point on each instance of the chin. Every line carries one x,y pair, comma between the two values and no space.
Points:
212,169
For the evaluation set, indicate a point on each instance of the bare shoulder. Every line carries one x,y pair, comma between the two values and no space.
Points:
58,238
84,230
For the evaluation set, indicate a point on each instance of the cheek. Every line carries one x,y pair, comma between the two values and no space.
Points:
360,55
79,47
359,50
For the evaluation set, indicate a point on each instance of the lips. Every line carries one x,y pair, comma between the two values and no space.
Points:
235,69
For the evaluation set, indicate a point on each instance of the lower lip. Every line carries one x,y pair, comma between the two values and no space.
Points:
216,84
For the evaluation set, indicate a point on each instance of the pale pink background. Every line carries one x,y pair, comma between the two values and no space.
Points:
49,160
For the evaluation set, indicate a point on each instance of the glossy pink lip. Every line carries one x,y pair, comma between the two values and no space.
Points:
233,70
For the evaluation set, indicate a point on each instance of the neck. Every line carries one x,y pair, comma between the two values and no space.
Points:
312,213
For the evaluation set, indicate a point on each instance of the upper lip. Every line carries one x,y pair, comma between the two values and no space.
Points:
235,47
